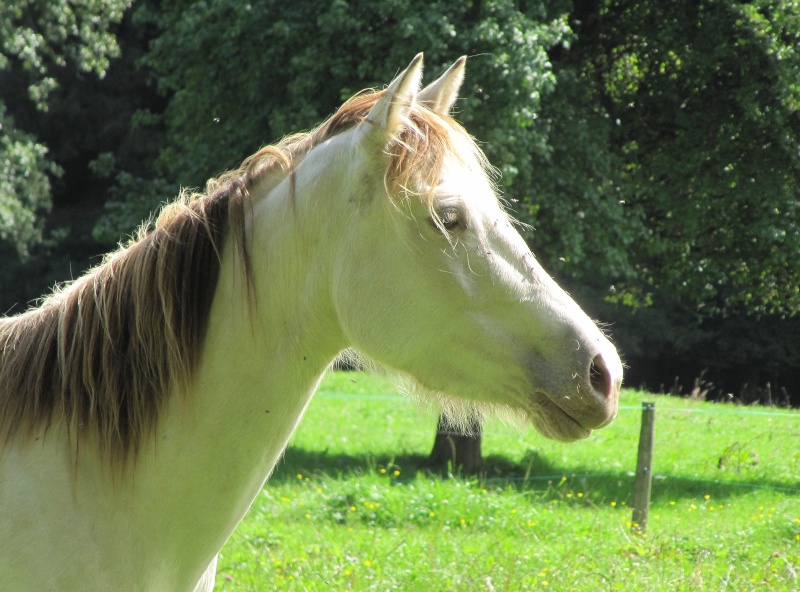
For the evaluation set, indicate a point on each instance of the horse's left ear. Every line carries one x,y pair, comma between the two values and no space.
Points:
440,95
389,114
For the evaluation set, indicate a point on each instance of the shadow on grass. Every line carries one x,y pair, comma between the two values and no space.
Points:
533,474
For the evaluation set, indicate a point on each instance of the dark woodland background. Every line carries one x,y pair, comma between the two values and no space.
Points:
653,147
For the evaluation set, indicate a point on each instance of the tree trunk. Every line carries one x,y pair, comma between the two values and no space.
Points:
461,451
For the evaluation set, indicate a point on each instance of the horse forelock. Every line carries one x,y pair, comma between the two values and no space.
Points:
101,354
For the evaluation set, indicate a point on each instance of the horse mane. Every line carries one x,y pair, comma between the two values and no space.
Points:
101,354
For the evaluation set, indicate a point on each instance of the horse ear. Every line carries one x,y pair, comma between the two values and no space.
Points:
440,95
391,111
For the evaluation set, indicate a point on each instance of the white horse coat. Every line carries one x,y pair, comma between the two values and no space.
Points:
380,233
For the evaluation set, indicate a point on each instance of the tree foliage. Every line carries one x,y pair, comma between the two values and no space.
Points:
700,103
37,41
301,59
652,147
24,185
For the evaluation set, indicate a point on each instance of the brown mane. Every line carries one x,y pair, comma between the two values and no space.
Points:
102,353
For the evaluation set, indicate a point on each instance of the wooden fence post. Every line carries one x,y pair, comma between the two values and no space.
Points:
644,469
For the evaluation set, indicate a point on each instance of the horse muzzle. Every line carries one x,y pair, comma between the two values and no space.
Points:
588,401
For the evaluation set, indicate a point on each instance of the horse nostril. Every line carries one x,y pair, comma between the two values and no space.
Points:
600,377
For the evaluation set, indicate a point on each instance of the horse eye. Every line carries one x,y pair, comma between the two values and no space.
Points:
448,219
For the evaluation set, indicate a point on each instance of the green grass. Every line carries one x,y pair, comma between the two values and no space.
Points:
351,506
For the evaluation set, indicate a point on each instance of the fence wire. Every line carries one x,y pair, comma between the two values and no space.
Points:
577,476
382,397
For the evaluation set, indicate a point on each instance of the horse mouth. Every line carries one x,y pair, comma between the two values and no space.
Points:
553,422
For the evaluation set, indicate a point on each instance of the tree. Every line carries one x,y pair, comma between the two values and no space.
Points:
687,114
671,127
276,68
651,146
693,109
456,449
24,186
37,41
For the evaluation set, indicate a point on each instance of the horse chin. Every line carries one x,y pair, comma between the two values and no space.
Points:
553,422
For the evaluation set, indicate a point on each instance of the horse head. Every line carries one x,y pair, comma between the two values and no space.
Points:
434,281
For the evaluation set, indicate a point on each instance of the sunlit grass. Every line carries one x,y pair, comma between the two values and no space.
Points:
351,507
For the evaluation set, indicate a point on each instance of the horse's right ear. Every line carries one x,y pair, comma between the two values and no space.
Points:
389,115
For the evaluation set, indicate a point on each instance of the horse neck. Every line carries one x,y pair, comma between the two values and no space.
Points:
172,510
262,360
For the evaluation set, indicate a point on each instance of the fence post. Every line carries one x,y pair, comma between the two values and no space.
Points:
644,469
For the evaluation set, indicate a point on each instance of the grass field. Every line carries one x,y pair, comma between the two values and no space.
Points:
352,508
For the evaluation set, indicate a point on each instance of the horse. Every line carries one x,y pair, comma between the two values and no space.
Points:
144,405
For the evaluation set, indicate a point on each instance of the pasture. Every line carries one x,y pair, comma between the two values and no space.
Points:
351,506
